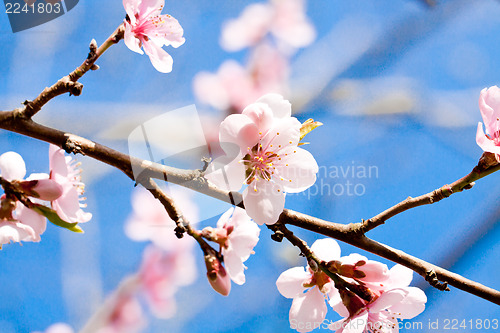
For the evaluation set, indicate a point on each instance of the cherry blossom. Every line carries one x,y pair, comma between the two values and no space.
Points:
163,272
261,151
24,225
284,19
149,220
125,316
309,309
393,300
360,268
217,276
64,171
146,28
489,105
237,235
233,86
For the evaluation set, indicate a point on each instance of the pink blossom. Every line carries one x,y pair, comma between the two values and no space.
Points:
261,151
149,220
146,28
489,105
363,269
25,225
126,316
233,86
394,300
237,235
163,272
309,309
64,171
284,19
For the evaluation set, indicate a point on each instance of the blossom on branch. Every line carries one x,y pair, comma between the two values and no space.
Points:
310,288
261,147
489,105
145,27
65,172
393,300
237,235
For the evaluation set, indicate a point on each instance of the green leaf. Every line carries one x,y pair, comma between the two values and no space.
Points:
308,126
52,216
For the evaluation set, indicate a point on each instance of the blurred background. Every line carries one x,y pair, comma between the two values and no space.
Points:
396,85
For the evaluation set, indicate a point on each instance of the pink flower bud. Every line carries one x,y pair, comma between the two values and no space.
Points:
45,189
217,275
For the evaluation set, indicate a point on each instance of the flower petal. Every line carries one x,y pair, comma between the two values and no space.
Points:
281,107
297,169
484,142
32,219
326,249
240,130
261,114
132,42
387,299
12,166
264,201
234,267
290,282
160,59
412,305
308,311
11,231
227,172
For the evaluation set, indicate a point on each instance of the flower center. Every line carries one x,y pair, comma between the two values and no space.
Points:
259,163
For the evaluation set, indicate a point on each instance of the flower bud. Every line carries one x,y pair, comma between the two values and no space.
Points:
45,189
217,275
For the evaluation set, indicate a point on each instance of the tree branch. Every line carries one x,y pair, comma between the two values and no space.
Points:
193,179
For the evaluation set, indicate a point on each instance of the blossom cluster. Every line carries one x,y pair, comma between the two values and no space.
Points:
27,202
385,294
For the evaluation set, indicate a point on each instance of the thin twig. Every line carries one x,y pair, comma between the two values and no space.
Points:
69,82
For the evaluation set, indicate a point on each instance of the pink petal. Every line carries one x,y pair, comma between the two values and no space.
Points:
290,282
240,130
132,42
374,270
489,105
356,324
167,31
57,161
227,173
284,134
484,142
308,311
264,201
11,231
387,299
244,236
261,115
281,107
297,169
400,276
234,267
12,166
131,9
412,305
32,219
326,249
148,8
160,59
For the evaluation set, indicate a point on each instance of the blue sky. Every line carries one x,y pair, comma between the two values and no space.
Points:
396,85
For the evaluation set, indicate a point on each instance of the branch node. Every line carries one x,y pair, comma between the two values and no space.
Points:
277,236
431,277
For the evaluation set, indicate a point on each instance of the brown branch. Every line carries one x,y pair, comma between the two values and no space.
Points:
193,179
69,82
486,166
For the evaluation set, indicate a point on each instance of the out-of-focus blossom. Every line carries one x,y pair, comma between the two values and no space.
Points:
126,316
261,151
489,105
309,289
393,300
237,235
284,19
163,272
145,27
64,171
233,86
150,222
